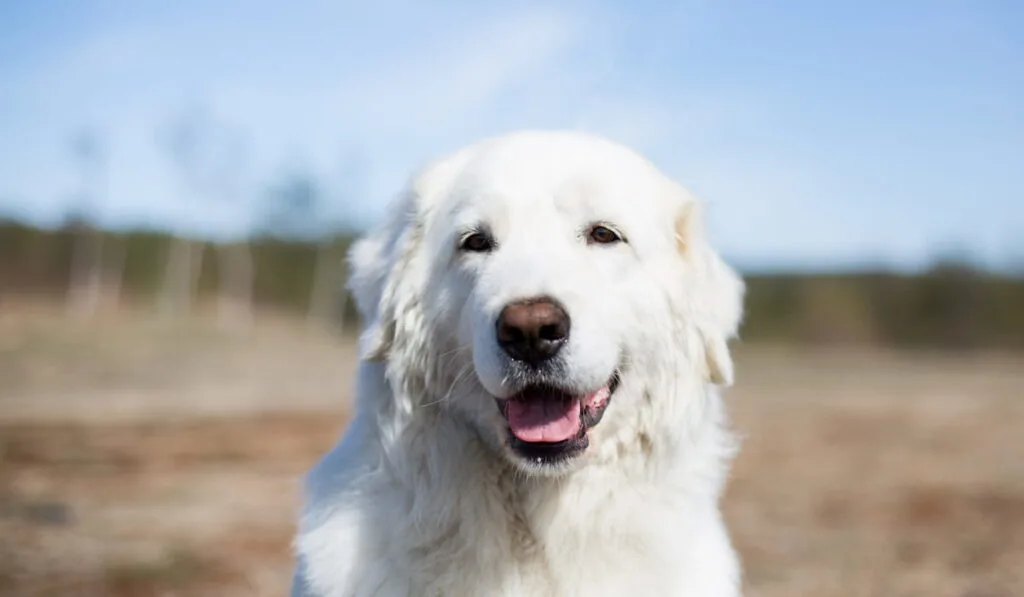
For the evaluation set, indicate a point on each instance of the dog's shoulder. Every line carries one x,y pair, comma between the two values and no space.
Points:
327,542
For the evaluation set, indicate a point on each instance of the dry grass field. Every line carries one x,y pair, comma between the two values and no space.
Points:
140,460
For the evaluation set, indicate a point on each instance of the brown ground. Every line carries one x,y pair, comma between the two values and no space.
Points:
137,460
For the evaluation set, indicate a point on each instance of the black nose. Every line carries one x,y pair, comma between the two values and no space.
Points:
533,330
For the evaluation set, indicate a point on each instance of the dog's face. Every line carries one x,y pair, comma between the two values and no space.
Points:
541,287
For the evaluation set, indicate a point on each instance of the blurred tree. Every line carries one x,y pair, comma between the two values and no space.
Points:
184,260
833,310
299,208
235,261
1016,263
952,302
293,207
329,297
210,159
85,284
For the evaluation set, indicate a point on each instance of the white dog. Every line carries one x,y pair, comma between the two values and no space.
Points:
537,404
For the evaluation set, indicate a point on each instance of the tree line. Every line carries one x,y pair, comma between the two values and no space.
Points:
951,306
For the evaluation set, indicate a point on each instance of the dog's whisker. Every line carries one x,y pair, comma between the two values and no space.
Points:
447,395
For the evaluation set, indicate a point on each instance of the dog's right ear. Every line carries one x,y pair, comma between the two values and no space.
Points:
376,262
388,272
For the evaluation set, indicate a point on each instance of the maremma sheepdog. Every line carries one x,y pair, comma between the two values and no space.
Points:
537,400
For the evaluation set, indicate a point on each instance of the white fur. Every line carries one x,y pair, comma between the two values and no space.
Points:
421,496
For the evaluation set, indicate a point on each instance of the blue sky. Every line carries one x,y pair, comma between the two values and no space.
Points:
821,134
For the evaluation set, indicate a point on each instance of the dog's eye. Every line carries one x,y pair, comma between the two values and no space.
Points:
603,235
477,242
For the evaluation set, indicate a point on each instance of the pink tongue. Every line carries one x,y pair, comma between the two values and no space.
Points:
551,420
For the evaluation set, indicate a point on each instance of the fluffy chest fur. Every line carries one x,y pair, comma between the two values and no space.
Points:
467,524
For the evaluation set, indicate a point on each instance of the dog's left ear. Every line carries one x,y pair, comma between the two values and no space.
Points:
716,292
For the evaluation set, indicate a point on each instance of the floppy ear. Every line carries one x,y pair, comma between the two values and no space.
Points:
389,272
379,282
716,295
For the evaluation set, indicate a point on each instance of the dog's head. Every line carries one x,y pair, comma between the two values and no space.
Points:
551,290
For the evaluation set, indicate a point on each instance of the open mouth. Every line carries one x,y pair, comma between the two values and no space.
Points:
549,424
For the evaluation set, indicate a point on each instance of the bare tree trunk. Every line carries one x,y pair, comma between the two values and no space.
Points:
235,281
197,250
176,292
85,284
113,271
86,281
322,294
